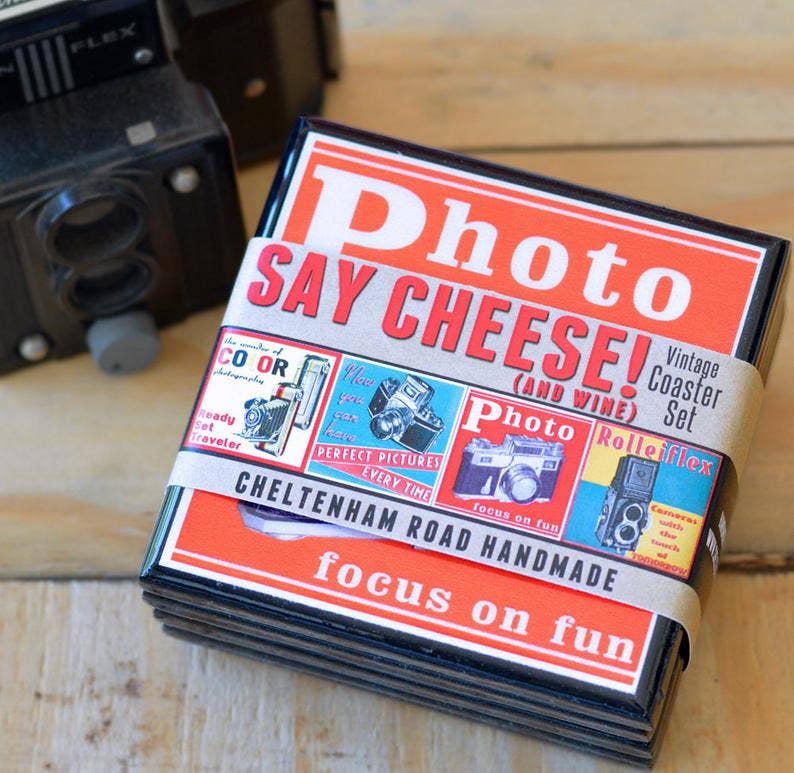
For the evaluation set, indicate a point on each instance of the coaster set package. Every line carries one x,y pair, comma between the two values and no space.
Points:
469,437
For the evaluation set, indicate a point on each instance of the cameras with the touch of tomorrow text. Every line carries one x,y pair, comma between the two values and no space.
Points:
401,412
520,469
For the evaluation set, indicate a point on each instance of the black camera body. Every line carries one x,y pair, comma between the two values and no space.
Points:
265,62
520,469
53,47
119,209
117,197
401,412
624,514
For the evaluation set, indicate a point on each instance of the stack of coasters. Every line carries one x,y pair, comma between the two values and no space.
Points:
468,437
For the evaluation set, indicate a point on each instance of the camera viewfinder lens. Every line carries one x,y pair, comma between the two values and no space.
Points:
633,512
521,484
93,220
97,228
391,423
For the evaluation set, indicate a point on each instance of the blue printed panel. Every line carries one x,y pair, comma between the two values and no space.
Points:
386,428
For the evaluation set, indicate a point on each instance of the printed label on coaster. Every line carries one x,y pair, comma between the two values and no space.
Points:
450,358
411,591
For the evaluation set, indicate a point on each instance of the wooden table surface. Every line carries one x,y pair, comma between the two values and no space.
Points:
689,105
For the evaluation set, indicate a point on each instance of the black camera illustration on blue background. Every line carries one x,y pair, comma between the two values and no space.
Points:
401,412
520,469
624,515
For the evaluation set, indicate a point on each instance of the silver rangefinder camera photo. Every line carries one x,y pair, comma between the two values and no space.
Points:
521,469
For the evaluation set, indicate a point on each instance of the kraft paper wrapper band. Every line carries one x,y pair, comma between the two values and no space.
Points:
727,429
632,584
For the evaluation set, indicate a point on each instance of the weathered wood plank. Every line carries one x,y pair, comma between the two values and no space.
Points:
84,465
525,74
88,682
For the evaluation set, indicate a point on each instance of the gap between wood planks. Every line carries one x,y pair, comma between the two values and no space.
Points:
751,563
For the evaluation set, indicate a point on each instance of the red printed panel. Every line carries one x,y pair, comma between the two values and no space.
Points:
525,243
515,462
449,599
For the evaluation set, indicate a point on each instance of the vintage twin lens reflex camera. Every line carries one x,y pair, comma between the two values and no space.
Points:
401,412
624,514
119,209
521,469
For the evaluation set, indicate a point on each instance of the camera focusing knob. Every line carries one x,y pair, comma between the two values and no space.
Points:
255,88
124,343
143,56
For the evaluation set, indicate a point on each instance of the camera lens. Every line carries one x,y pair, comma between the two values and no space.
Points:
253,416
108,286
97,228
92,231
391,423
627,533
633,512
97,219
521,484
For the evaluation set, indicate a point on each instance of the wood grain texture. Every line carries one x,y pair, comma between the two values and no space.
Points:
81,481
88,682
519,73
687,105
